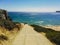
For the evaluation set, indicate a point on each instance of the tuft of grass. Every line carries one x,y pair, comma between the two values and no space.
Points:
2,37
52,35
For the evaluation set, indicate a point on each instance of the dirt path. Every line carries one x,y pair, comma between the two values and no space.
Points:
27,36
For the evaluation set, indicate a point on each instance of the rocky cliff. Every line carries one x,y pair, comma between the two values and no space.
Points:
3,14
5,20
8,28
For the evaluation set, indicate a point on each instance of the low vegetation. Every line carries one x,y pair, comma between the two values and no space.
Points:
8,28
8,24
52,35
2,37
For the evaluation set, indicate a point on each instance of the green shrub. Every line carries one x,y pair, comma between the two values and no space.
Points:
52,35
8,24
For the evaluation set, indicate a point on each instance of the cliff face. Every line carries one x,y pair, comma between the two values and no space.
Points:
3,14
5,20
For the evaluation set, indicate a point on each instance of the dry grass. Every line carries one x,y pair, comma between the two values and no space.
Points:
6,36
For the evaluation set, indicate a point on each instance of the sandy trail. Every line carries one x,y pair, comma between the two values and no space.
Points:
27,36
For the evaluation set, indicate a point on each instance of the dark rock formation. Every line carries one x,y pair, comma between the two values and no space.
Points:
3,14
5,21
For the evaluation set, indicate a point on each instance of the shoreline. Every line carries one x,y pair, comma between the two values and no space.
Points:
56,28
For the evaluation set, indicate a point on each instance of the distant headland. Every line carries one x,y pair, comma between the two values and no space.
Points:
58,11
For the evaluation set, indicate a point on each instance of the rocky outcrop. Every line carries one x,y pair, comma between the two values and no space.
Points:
5,20
3,14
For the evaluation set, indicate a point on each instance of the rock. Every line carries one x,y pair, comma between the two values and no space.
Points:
5,21
3,14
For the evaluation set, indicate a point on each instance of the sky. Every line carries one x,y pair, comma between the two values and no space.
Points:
30,5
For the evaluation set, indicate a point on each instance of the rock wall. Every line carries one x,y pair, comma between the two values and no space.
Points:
5,20
3,14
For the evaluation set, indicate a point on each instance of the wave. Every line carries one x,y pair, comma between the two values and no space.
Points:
39,22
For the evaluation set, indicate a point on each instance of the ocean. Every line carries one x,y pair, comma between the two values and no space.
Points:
42,18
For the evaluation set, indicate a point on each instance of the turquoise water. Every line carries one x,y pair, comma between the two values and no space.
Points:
48,18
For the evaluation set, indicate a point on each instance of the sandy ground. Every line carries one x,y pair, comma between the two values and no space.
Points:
27,36
56,28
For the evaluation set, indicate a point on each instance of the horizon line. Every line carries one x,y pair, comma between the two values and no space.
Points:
31,11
